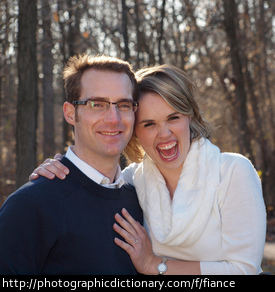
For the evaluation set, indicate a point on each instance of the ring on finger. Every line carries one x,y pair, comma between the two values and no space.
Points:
135,242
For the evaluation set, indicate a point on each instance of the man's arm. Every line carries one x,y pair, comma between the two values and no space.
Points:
28,231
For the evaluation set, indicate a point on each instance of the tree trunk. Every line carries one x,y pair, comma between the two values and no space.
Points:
48,93
263,27
160,38
125,30
138,34
27,103
240,106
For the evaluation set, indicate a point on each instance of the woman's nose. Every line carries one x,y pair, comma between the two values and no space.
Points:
164,131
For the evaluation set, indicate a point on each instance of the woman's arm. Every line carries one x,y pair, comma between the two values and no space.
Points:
138,245
243,220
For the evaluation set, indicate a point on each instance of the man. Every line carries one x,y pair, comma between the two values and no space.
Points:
66,226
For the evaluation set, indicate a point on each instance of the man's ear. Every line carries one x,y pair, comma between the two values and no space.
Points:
69,112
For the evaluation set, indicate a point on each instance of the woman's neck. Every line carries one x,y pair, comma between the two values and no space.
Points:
171,177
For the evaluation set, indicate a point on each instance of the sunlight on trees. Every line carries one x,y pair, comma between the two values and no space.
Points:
229,56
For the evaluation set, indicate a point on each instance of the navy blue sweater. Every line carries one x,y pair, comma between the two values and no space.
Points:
65,227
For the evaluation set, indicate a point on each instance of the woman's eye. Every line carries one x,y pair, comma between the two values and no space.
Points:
148,125
174,118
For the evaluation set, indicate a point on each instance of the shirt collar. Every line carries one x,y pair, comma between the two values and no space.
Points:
93,174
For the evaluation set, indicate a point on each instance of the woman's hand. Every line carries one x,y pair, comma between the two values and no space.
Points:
51,168
137,243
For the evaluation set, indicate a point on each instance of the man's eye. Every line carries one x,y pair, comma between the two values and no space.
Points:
97,104
124,105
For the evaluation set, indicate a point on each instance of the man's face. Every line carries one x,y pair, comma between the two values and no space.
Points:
100,136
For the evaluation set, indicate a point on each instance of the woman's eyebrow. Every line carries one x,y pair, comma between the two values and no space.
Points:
152,121
146,121
173,114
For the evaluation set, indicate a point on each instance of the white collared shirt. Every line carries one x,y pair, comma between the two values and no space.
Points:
93,174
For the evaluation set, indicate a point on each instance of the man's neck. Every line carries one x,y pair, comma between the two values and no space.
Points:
105,165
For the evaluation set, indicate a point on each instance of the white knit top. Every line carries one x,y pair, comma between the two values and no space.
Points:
217,215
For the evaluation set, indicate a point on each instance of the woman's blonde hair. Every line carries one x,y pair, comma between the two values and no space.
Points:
178,90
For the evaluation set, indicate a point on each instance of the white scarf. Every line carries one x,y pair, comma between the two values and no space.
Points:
182,220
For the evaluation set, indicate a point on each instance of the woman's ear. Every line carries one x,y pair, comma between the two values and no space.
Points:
69,113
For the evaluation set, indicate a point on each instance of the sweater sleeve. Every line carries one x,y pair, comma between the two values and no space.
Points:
29,224
243,220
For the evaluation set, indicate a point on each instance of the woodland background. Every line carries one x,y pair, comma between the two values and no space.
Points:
226,46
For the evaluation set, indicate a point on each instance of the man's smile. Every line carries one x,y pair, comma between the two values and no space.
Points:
110,133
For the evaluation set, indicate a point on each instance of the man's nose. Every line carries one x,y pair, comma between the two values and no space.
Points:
112,115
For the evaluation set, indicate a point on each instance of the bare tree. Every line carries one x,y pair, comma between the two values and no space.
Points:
160,37
125,30
240,101
27,102
48,92
226,46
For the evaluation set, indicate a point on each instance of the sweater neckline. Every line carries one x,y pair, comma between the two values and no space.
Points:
92,186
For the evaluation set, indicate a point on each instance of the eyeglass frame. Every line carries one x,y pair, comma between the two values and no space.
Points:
135,104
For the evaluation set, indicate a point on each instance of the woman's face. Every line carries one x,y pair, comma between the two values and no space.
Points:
163,132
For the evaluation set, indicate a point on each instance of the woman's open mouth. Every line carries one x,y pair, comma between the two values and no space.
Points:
168,151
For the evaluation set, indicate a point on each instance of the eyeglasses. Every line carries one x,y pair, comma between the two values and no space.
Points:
102,105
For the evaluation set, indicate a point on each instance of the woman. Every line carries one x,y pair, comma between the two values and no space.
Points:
203,209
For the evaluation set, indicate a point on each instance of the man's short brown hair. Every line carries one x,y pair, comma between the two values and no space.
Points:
78,64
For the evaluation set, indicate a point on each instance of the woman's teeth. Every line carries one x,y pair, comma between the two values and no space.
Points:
168,151
167,147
